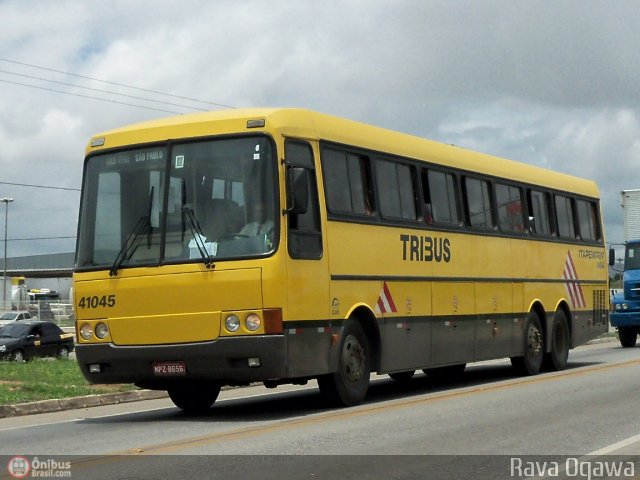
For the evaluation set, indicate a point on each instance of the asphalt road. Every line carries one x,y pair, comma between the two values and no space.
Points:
588,409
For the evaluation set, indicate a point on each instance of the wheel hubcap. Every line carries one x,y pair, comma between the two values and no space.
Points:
353,359
534,341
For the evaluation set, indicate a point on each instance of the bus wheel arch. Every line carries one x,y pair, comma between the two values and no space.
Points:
354,359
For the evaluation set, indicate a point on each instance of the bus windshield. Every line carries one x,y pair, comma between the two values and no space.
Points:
211,200
632,257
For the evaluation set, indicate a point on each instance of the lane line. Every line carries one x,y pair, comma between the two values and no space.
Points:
616,446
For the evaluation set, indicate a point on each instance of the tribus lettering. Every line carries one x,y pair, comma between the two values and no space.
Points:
425,249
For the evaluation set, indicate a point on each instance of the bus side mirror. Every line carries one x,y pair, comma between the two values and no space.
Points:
298,183
612,257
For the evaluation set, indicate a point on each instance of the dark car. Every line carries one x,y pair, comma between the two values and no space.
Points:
29,339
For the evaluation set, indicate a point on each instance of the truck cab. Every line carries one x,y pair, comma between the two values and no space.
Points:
625,305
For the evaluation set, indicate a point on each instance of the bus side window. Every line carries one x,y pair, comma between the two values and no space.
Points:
347,179
440,197
539,217
565,216
477,194
587,219
394,182
509,203
304,237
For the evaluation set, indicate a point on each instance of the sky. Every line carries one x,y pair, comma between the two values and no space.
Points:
553,84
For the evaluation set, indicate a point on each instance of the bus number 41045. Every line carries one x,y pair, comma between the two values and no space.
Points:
95,301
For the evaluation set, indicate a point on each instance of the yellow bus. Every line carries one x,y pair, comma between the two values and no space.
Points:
284,245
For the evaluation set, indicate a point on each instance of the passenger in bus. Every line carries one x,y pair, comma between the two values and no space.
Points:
260,225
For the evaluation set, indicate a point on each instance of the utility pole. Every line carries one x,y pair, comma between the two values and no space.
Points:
6,202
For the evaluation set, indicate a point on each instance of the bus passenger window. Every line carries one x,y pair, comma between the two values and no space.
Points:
587,219
539,222
478,202
440,198
347,182
509,202
564,215
394,182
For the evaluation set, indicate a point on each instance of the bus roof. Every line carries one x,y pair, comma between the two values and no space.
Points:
313,125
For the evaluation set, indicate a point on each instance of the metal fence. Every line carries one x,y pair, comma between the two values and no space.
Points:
58,311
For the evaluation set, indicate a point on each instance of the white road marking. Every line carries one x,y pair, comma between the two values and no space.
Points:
616,446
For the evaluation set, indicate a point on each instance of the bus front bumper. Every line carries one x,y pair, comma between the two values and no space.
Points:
230,360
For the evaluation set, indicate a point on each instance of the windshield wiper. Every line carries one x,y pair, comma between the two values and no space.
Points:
130,245
198,236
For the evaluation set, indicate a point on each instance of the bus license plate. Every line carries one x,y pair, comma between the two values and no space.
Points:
164,369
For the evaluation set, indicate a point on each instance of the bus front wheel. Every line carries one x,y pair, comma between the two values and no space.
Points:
628,336
348,386
194,398
531,361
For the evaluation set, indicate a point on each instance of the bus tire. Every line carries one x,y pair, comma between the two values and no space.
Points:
531,362
402,376
194,399
556,359
348,386
628,336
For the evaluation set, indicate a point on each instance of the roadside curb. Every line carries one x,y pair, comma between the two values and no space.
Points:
602,340
71,403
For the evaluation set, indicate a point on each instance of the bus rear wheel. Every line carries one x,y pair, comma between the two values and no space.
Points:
531,362
194,398
628,336
556,359
348,386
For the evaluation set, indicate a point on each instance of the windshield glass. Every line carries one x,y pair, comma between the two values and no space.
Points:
632,257
219,197
8,316
14,330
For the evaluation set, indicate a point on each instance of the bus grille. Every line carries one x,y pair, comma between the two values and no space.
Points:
600,307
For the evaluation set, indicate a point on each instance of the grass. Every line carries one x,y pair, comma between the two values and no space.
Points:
45,379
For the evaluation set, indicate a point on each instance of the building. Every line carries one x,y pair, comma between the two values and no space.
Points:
52,271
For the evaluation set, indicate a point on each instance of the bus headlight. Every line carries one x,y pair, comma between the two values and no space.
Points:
232,323
102,330
252,322
86,331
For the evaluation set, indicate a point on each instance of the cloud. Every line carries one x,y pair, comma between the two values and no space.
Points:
553,84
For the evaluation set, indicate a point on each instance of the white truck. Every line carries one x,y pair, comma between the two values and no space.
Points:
17,297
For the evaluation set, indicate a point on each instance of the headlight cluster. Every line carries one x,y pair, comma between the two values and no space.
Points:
100,331
3,348
621,306
252,322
